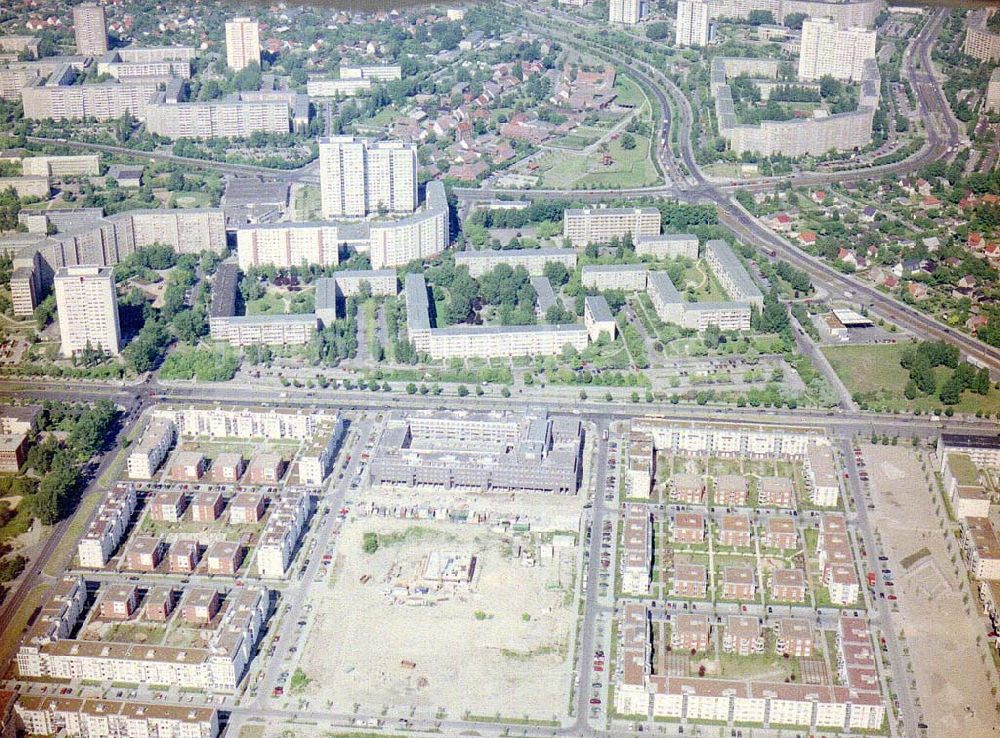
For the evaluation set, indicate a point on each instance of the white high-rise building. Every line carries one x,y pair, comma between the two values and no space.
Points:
692,23
358,177
242,42
624,11
90,30
828,49
87,306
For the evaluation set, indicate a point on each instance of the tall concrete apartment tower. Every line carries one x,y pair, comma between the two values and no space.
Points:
692,23
358,177
242,42
828,49
90,29
87,305
624,11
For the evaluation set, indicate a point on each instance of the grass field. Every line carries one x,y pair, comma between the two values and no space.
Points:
874,373
307,203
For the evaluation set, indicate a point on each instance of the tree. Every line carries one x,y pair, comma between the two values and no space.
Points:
463,391
951,391
794,20
411,389
657,31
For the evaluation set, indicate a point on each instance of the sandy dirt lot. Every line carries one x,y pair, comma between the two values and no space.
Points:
951,677
499,644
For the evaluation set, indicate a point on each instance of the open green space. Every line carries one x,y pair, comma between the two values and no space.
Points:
875,374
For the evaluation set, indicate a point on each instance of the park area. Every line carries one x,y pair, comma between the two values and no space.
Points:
417,612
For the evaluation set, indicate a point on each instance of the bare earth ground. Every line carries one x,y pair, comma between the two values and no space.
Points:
499,646
950,674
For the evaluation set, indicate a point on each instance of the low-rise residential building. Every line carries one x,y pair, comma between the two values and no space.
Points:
672,307
105,531
688,488
690,580
731,273
776,492
743,635
145,553
118,601
735,530
641,465
625,277
731,490
77,717
794,637
597,317
600,225
690,632
167,506
13,451
225,557
961,483
780,533
206,507
468,341
533,260
637,553
667,246
688,527
159,604
280,538
187,466
982,547
246,508
739,583
821,475
152,449
983,450
267,467
18,420
184,556
788,585
61,166
228,467
200,605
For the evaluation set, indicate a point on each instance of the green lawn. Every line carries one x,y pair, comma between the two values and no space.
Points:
269,304
307,203
874,373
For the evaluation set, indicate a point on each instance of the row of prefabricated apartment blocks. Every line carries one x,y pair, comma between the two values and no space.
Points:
649,436
967,463
465,341
287,516
49,651
833,553
30,714
857,704
319,431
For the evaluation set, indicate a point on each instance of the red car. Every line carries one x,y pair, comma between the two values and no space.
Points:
891,597
595,701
